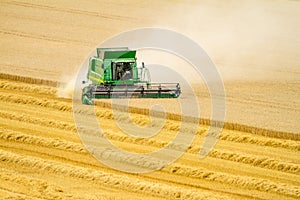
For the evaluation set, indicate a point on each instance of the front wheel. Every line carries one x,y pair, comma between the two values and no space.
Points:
86,97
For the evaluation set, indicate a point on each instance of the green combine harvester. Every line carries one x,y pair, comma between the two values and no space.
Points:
113,73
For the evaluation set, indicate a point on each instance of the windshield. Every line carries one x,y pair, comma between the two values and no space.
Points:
124,70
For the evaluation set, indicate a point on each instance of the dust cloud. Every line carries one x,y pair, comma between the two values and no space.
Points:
247,40
66,87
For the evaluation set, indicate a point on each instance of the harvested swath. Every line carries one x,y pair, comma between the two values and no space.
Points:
202,173
30,80
44,102
170,125
37,120
108,179
178,117
254,160
250,139
243,181
175,169
139,160
37,89
187,171
259,161
9,135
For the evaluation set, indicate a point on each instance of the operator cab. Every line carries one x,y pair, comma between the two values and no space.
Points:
122,70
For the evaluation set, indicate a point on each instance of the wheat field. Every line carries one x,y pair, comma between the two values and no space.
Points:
42,156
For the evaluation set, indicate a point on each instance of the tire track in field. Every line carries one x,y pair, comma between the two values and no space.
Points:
104,178
44,37
253,101
72,11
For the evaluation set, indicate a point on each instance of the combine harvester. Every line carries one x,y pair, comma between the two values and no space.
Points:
113,73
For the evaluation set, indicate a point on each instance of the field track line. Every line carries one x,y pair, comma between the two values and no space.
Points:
37,188
63,106
43,37
51,7
29,80
254,160
108,179
172,116
128,183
